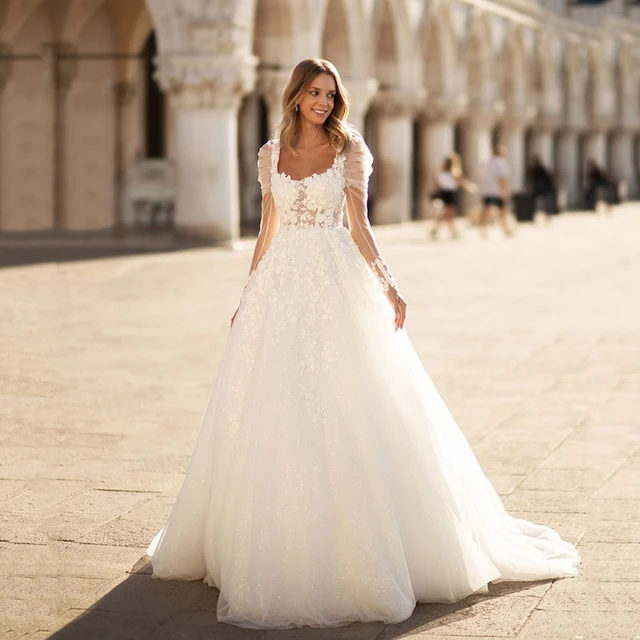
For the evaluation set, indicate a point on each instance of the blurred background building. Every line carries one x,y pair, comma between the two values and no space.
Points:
115,113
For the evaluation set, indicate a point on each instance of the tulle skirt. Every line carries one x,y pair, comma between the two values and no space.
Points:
329,482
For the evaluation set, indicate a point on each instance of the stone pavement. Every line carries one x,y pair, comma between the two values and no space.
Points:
533,341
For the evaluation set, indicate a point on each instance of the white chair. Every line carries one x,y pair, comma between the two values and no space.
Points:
152,192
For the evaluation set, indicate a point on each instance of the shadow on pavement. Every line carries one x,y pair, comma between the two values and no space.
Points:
23,253
141,608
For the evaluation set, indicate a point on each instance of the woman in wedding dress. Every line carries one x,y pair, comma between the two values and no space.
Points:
329,483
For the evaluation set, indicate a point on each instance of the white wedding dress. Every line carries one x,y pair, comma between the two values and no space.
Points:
329,482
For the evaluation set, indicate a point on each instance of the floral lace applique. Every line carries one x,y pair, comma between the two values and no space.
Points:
314,201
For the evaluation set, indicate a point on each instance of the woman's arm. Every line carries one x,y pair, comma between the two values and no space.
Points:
269,221
268,230
269,217
358,168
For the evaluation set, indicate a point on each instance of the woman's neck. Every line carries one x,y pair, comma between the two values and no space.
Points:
310,135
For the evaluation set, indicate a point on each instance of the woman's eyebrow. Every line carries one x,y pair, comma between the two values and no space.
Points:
318,89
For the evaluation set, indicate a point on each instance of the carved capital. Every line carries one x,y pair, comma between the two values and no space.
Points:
398,103
622,130
517,117
628,118
218,38
482,116
64,62
602,124
443,109
201,80
548,123
271,84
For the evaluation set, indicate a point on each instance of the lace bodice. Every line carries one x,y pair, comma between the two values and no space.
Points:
319,202
315,201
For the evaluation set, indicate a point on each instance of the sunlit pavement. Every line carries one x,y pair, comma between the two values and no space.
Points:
106,364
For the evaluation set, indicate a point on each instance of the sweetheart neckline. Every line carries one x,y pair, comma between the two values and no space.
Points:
313,175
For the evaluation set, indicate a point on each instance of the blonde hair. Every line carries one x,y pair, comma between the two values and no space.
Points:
335,125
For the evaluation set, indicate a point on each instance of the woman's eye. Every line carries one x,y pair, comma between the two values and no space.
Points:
314,93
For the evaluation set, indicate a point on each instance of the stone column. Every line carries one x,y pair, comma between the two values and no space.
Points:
361,93
64,70
622,159
394,157
436,142
249,142
476,150
271,84
124,93
596,147
512,137
542,145
568,169
206,91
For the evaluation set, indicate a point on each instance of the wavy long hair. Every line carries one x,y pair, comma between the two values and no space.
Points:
335,125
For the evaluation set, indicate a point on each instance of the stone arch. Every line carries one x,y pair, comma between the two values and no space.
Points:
515,73
439,56
575,85
336,45
79,12
27,123
624,74
601,96
627,84
479,63
132,24
344,38
393,58
273,40
89,112
546,86
16,14
144,120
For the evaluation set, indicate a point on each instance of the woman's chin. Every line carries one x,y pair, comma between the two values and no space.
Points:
317,118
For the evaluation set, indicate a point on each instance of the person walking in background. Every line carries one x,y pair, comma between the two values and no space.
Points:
495,190
449,180
542,187
599,186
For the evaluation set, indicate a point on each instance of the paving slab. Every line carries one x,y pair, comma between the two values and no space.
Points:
107,363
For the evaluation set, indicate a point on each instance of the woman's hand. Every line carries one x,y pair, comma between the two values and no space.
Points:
234,316
399,308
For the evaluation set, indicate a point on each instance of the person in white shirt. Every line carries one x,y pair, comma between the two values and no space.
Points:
448,181
495,189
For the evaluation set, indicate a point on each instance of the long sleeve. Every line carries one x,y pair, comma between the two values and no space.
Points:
269,219
358,168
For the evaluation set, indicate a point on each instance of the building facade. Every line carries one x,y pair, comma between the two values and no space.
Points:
104,101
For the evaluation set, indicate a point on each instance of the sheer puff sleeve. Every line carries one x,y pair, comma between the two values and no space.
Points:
358,167
269,218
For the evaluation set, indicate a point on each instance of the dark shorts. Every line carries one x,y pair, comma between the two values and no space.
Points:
493,201
447,196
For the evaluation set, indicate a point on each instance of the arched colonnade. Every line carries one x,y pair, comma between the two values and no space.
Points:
79,107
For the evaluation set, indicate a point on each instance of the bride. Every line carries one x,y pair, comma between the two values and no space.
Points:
329,482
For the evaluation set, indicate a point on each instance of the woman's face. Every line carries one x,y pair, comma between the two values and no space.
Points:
318,99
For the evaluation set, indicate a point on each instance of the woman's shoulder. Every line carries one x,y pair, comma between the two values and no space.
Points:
355,137
357,144
269,145
266,150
